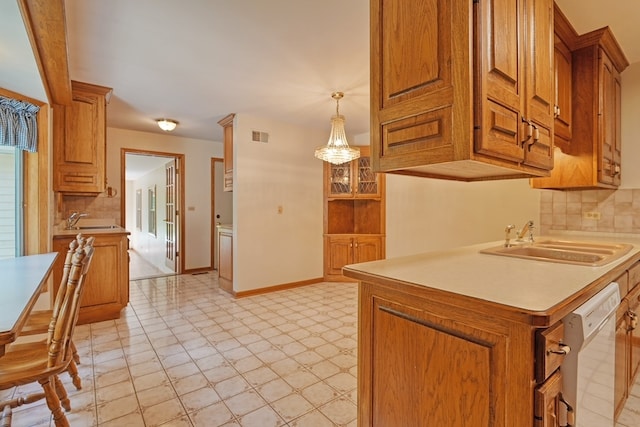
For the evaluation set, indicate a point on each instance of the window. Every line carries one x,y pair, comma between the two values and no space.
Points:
11,218
152,211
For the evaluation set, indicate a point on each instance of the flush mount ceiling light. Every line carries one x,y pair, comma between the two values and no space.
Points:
167,125
337,150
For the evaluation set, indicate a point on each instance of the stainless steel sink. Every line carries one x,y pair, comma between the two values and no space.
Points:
565,251
96,227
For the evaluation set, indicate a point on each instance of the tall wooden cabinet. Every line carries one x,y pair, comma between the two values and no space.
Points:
591,158
462,90
354,215
79,141
227,128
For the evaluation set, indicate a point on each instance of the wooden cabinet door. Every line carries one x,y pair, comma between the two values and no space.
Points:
339,253
227,151
610,122
340,181
367,248
420,81
412,363
106,290
367,181
622,359
634,334
563,80
540,87
500,35
547,401
80,141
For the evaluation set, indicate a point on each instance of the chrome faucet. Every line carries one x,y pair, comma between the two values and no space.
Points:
74,218
507,235
528,227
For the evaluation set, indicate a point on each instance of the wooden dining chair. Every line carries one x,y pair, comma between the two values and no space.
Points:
43,361
40,321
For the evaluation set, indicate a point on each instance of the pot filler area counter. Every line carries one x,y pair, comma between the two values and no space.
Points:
476,336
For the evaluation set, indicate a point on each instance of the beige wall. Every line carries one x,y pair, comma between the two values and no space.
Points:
271,249
631,126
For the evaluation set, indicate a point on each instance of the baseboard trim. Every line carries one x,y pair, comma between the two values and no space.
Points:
275,288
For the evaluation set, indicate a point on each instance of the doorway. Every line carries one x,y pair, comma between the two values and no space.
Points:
152,184
221,206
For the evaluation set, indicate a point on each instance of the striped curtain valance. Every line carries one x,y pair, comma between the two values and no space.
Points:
18,124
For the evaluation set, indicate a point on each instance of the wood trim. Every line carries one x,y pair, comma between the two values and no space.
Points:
46,27
564,29
275,288
180,163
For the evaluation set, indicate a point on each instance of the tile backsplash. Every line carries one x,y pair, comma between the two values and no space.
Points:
611,211
101,206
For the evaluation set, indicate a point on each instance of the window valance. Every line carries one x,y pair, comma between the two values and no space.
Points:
18,124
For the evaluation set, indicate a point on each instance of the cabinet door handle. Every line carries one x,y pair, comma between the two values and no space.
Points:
616,169
562,349
633,320
571,416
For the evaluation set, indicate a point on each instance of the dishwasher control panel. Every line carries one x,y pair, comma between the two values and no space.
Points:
591,315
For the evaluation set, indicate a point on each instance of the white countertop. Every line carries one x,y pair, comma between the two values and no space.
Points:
22,277
525,284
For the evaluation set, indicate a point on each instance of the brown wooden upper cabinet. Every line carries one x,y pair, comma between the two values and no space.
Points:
227,127
588,156
79,141
565,36
456,90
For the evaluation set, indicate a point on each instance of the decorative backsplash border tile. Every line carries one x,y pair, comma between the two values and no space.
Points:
612,211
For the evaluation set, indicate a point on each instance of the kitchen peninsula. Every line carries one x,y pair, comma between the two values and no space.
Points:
459,338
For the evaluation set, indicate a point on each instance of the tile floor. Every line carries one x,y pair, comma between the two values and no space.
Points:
184,353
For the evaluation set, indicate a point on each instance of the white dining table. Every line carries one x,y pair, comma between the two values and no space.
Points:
21,282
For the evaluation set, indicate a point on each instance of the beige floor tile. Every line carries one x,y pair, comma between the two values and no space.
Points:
292,406
162,412
275,390
263,417
200,398
212,416
153,396
341,411
117,408
245,402
190,383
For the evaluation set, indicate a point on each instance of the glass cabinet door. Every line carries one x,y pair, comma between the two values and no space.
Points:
367,180
340,180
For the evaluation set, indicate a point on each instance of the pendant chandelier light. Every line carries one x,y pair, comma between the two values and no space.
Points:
337,150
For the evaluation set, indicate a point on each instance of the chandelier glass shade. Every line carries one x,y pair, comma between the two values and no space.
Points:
337,150
167,125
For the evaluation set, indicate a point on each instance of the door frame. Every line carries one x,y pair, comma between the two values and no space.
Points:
180,164
214,228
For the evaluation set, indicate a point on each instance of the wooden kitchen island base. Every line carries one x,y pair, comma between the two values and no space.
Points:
449,365
106,290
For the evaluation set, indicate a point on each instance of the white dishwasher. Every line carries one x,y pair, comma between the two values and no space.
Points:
588,370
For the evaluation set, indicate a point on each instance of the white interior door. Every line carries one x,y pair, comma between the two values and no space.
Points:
171,189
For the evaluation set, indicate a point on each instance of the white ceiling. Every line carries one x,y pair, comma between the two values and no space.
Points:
196,61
